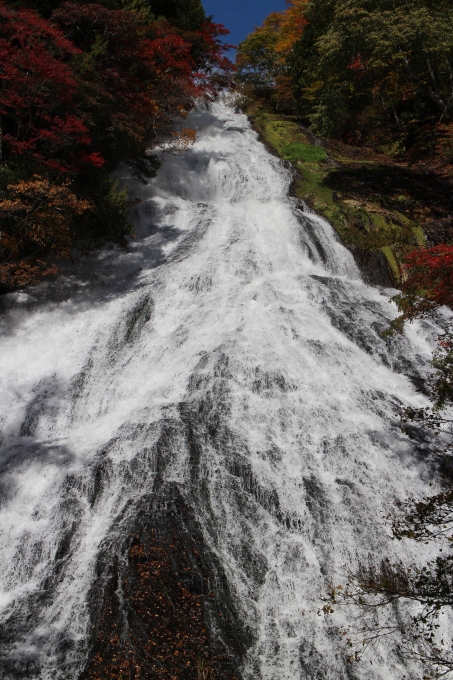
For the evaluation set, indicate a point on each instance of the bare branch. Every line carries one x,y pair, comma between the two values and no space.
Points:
424,88
450,74
433,77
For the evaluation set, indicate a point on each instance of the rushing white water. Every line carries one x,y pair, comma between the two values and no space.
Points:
233,353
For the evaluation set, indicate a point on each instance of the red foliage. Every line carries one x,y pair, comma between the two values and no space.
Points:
94,159
213,49
144,73
115,63
430,276
79,91
196,56
428,284
167,53
359,66
199,55
37,90
141,74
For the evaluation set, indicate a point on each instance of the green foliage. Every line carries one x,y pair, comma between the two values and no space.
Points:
362,62
331,110
374,70
304,153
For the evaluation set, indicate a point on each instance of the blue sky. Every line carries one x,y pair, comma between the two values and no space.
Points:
240,16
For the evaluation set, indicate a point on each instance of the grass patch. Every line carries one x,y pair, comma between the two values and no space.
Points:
304,153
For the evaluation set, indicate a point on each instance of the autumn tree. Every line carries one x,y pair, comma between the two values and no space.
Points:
263,57
427,284
37,216
94,86
362,70
41,135
37,95
136,77
257,61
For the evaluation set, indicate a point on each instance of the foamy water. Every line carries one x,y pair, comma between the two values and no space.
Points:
233,353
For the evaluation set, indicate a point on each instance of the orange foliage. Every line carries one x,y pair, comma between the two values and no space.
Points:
39,216
283,29
262,58
182,140
292,25
24,272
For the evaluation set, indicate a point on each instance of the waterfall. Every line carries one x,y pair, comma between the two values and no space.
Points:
227,369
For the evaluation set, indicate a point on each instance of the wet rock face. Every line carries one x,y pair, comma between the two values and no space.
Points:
161,606
374,267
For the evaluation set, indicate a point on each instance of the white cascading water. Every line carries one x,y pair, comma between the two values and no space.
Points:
237,340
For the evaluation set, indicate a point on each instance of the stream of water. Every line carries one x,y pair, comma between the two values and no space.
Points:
232,356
